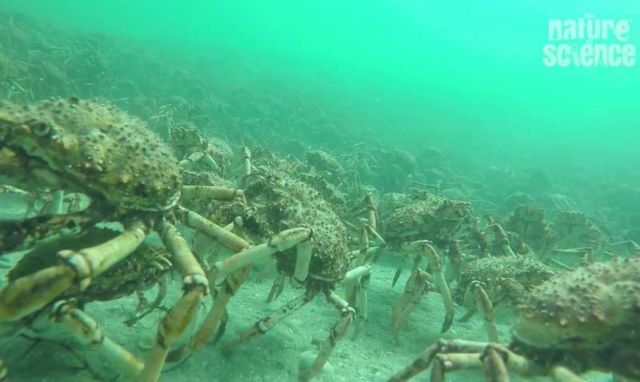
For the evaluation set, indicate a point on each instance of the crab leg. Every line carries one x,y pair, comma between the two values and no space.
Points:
220,234
423,361
280,242
267,323
212,192
338,331
246,154
438,279
276,288
30,293
303,259
484,304
502,240
212,322
496,360
417,285
199,156
89,333
178,319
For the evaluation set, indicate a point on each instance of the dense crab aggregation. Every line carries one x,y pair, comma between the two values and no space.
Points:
586,319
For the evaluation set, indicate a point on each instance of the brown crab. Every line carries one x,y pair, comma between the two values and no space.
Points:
429,221
483,282
131,177
278,202
587,319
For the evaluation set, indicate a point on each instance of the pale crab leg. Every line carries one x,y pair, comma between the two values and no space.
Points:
417,285
263,325
438,279
246,156
357,280
424,360
351,284
485,306
233,267
18,299
502,240
89,333
495,359
280,242
212,322
303,259
178,319
220,234
197,157
338,331
213,192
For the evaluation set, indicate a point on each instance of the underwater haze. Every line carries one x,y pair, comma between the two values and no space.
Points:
465,74
358,179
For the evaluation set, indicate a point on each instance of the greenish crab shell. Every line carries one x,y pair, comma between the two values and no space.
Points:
91,148
592,307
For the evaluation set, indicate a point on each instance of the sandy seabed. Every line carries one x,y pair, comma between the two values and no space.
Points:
371,355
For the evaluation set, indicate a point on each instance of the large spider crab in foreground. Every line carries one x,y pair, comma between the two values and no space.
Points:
587,319
131,177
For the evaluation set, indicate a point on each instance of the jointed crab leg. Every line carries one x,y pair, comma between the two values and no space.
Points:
195,286
495,359
438,279
220,234
236,268
303,259
276,288
423,361
88,332
417,285
212,192
30,293
212,322
281,242
265,324
502,240
338,331
485,306
246,153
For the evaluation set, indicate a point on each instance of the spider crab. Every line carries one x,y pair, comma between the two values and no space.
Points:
427,222
586,319
131,177
280,201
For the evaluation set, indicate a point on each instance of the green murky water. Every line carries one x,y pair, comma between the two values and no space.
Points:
473,101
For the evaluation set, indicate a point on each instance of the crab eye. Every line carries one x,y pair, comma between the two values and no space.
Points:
41,129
